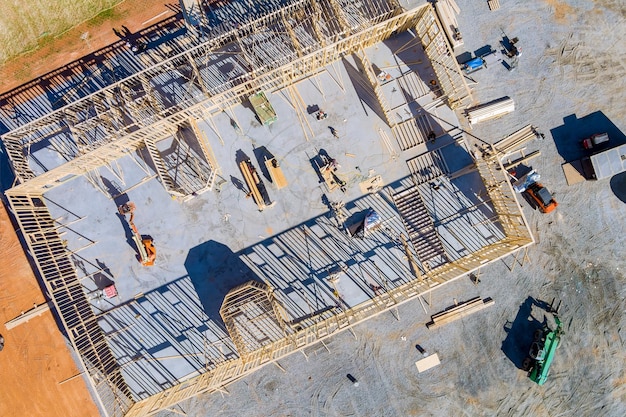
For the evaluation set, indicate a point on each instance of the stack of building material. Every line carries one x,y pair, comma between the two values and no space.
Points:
447,11
427,363
459,311
255,185
493,4
276,173
517,139
490,110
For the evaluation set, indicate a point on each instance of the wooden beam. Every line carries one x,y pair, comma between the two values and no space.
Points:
36,311
521,160
459,311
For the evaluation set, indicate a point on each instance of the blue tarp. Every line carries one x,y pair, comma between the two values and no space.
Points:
474,64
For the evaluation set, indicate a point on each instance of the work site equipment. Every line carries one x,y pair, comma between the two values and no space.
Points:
541,197
263,108
144,244
481,62
538,195
543,349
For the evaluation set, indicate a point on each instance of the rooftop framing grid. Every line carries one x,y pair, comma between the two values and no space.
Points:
138,112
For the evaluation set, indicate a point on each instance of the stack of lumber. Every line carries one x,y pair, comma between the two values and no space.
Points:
490,110
493,4
516,139
459,311
447,11
255,185
276,173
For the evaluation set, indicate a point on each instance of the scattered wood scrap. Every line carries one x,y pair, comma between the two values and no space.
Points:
371,185
459,311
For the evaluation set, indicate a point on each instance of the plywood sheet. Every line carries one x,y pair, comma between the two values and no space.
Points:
427,363
573,172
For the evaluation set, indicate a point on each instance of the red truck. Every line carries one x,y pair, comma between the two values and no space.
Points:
595,140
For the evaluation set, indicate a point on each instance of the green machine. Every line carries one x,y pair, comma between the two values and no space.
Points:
543,350
263,108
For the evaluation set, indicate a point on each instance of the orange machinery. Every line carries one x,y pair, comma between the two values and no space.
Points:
145,245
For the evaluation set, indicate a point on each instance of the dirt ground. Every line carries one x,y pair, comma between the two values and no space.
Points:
36,359
134,14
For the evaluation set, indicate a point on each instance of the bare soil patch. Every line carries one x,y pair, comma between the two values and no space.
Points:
134,14
35,360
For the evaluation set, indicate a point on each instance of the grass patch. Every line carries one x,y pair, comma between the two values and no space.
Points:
44,40
28,24
103,16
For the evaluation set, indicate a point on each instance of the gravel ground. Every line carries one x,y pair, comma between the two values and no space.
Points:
572,63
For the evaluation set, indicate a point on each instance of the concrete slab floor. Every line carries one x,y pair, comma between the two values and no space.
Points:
163,325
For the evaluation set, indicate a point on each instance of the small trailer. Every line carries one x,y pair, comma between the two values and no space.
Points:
263,109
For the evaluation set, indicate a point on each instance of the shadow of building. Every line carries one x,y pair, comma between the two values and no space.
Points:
214,270
568,136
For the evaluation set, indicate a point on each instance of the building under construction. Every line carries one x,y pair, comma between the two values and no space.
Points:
374,203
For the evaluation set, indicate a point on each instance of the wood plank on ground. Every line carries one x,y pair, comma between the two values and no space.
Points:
457,312
427,363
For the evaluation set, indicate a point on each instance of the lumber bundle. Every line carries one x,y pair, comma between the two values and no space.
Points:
276,173
36,311
447,11
493,4
516,139
459,311
490,110
255,185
